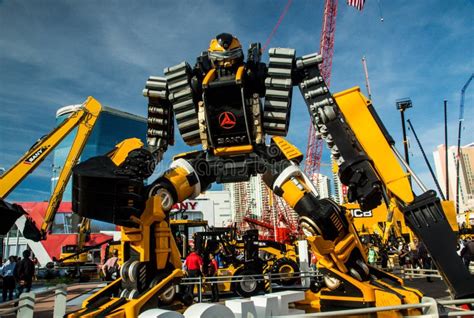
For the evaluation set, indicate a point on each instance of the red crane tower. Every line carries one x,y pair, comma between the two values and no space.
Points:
314,148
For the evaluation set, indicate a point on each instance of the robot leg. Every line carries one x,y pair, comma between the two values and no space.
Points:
338,244
348,282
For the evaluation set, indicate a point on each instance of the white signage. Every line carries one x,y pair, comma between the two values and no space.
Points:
269,305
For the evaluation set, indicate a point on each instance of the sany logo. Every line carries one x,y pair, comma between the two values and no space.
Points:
227,120
184,206
358,213
35,156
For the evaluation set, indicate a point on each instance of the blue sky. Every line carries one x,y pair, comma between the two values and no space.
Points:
56,53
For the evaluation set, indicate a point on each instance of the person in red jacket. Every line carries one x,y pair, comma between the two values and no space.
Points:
193,266
212,272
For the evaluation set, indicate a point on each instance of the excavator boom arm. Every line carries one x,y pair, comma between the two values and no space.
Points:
84,119
90,115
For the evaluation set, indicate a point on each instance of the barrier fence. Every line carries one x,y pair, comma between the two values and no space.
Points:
24,306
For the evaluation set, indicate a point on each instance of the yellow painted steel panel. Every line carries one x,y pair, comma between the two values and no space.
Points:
354,107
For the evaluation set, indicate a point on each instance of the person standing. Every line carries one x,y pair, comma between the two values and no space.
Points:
407,259
212,272
26,271
111,267
8,279
424,260
467,253
193,265
372,255
383,257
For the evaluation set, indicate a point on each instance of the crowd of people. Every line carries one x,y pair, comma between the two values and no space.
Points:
17,274
412,255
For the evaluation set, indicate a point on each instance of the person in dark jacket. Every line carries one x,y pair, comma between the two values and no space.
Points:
424,259
467,253
26,271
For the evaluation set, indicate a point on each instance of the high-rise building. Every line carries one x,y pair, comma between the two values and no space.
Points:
338,195
466,174
323,186
249,198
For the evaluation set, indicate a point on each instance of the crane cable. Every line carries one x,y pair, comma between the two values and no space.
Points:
282,16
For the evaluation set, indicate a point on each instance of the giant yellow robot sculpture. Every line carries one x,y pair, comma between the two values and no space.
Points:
229,105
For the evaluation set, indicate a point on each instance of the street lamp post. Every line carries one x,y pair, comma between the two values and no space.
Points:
403,104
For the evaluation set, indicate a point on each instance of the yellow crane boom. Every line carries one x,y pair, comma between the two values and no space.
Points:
84,119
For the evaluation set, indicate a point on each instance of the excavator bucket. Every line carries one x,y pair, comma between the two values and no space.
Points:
30,231
429,223
10,212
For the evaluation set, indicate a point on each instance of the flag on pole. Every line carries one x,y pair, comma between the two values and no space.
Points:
359,4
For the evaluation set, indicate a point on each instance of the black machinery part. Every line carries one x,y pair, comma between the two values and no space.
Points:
99,193
427,220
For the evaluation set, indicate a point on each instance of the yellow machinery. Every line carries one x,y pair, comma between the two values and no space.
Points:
69,253
218,104
84,119
248,256
466,230
181,228
380,223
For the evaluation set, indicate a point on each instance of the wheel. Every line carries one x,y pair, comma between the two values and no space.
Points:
133,271
133,294
315,286
287,267
124,270
168,295
124,293
248,286
364,266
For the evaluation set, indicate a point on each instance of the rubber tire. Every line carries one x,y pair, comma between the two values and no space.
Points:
168,295
259,286
279,263
163,301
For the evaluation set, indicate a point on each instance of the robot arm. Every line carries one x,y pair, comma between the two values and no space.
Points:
160,131
355,168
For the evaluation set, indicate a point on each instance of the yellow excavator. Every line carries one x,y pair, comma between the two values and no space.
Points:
84,119
69,253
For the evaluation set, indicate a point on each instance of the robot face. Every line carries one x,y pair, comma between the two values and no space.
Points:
225,51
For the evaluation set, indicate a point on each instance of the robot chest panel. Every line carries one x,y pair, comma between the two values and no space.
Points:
227,116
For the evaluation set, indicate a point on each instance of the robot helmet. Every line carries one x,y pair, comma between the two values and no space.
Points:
225,51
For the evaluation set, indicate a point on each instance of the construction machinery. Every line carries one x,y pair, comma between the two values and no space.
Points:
69,253
182,234
83,119
218,104
249,257
430,219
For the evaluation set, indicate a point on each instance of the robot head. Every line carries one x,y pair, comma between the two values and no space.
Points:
225,51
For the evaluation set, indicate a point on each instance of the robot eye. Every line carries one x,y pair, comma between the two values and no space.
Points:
224,40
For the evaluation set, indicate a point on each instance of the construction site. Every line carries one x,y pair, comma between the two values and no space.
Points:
291,158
